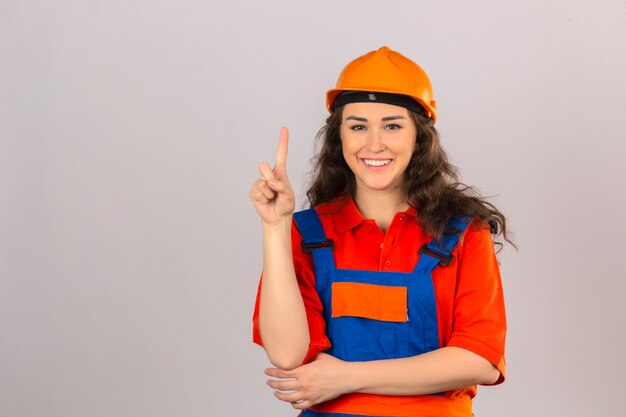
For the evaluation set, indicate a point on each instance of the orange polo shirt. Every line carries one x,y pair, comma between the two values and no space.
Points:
468,292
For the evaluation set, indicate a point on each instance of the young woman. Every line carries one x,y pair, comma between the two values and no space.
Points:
384,298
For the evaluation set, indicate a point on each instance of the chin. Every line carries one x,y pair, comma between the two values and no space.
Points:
380,186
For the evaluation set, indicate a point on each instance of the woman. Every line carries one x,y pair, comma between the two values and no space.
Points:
385,298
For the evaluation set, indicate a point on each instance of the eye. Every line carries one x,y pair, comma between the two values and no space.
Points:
357,127
393,126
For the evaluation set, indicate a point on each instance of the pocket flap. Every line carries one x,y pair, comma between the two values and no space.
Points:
377,302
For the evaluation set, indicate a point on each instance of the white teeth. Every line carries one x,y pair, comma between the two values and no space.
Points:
376,163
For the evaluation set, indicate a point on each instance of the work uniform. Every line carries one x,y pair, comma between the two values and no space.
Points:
375,297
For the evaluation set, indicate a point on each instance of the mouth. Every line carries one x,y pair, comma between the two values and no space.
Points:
376,162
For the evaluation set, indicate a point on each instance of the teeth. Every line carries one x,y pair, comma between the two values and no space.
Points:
376,163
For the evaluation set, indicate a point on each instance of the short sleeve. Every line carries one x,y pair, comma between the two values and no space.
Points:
479,313
305,274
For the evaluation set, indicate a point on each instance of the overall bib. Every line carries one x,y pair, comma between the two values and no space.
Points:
372,315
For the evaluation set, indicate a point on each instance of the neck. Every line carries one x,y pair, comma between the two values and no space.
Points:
380,206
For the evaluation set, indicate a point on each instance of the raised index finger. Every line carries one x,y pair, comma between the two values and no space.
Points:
281,153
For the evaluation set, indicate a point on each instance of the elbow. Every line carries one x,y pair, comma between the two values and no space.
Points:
490,376
479,370
285,358
285,361
285,354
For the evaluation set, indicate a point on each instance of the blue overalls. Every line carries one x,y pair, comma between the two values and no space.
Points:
406,329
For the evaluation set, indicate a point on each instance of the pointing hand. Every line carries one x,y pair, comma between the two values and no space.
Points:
272,195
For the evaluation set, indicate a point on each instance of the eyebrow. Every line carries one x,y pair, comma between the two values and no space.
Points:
384,119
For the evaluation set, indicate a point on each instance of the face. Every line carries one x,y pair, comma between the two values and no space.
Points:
378,141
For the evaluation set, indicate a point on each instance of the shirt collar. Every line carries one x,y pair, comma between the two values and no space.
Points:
346,215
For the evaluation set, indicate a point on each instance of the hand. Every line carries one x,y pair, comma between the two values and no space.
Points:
272,195
309,384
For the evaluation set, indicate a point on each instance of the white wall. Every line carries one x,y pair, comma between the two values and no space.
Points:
130,132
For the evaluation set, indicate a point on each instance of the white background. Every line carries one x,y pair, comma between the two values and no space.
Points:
130,132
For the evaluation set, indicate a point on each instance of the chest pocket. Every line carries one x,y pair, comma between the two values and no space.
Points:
375,302
368,321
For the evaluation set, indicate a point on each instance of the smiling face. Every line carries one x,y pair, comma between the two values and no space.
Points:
378,140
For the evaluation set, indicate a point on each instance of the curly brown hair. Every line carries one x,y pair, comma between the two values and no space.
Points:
431,183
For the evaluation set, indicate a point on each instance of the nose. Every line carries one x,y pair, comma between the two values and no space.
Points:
375,143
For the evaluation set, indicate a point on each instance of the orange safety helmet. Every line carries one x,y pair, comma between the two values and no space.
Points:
385,71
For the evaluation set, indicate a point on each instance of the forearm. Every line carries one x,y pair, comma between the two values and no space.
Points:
282,316
437,371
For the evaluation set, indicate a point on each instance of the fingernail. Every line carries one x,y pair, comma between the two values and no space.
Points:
272,183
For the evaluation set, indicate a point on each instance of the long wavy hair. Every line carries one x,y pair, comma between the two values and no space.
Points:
431,184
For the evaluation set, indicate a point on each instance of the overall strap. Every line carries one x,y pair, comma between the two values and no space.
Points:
434,254
314,239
